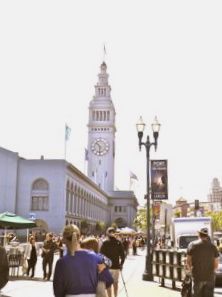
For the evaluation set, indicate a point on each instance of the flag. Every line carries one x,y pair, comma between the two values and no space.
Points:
86,154
133,175
67,132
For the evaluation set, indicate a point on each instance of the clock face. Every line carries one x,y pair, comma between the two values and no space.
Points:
100,146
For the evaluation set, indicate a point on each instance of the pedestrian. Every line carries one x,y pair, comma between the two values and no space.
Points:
125,243
91,243
4,268
76,273
48,250
202,261
30,255
134,245
113,249
60,246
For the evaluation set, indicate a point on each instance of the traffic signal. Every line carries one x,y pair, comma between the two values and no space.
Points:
196,204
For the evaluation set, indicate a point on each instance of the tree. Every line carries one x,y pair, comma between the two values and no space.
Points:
114,225
84,226
177,213
100,227
140,219
217,220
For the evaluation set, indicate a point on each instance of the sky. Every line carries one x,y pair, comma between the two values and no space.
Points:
164,59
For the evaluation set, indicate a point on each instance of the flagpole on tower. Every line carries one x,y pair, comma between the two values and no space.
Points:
104,52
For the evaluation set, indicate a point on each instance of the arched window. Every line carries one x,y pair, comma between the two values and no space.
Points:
40,195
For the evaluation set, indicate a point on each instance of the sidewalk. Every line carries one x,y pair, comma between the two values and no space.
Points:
132,274
136,286
144,289
139,288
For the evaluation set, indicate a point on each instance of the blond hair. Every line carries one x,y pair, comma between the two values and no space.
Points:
72,234
90,243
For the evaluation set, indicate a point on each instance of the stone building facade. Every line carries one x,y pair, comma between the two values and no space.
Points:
55,192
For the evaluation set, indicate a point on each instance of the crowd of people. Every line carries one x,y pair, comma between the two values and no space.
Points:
88,265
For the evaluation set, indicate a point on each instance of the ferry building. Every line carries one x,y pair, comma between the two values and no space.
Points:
54,192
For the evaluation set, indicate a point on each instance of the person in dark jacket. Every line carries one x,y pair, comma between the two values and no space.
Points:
113,249
48,250
31,256
202,261
4,268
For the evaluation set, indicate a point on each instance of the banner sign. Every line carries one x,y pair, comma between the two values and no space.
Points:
159,187
156,209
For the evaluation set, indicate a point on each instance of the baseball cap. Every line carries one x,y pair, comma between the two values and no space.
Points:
203,231
110,230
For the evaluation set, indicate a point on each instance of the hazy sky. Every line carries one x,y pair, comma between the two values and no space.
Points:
164,58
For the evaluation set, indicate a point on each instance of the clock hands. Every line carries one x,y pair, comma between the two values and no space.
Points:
100,147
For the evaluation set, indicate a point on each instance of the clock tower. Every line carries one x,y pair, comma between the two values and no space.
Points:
101,134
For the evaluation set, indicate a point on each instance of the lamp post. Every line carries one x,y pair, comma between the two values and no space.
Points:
140,129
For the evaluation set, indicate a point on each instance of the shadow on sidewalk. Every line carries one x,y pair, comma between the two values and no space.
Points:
25,278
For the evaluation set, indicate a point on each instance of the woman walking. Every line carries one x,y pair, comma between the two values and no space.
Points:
31,256
76,273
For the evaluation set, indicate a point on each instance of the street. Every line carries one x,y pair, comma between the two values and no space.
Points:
131,274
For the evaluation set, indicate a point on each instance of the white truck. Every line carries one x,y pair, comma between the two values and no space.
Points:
185,229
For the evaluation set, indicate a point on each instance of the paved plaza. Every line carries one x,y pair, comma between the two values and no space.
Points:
132,275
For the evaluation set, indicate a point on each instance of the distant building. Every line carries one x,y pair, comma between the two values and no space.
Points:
189,209
181,207
215,195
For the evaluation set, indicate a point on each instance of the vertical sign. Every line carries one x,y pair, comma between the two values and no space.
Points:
159,187
156,209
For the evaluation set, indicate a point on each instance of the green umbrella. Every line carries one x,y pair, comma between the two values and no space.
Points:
12,221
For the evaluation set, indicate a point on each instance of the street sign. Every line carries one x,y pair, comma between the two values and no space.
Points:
32,216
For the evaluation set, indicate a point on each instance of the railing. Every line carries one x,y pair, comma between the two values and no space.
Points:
15,261
169,264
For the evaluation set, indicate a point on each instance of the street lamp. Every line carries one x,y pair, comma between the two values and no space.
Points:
140,128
